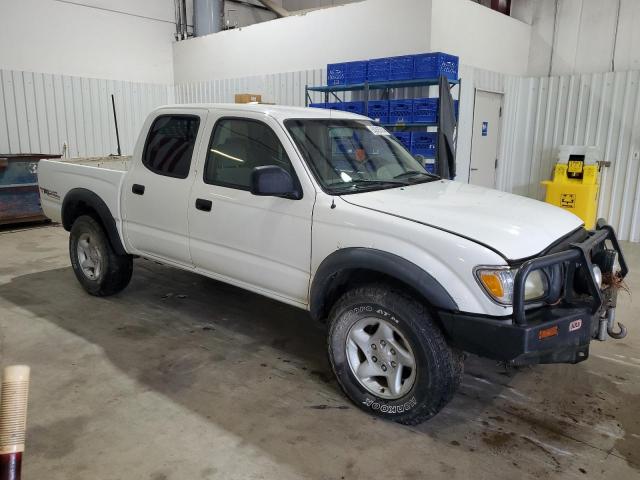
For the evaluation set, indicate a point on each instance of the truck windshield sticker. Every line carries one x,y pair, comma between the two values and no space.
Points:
376,130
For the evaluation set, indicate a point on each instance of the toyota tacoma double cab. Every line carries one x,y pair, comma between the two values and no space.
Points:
328,212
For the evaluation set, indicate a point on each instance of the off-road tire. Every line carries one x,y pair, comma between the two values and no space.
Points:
439,367
115,270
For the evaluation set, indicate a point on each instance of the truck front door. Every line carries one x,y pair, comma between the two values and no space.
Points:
260,243
155,193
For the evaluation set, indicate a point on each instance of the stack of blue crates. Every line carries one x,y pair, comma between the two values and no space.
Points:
336,74
379,110
355,73
401,68
432,65
400,111
424,144
425,110
352,107
378,70
404,138
405,67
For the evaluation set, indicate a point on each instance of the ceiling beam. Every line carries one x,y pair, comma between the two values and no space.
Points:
275,8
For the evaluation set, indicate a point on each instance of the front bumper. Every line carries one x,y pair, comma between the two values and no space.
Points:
522,345
559,333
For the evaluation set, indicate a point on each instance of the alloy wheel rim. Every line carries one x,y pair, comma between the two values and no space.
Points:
381,358
89,256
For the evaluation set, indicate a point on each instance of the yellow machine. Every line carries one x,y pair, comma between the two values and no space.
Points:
576,183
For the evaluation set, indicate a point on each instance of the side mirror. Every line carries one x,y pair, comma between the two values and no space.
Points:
273,181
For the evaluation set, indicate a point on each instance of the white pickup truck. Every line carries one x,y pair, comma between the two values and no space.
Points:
326,211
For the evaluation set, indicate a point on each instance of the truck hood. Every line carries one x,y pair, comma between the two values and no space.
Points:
517,227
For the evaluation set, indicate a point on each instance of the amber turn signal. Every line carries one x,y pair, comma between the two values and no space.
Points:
492,283
548,332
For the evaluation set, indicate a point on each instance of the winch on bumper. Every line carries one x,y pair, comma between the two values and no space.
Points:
560,329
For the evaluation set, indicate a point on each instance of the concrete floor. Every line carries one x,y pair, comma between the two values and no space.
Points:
181,377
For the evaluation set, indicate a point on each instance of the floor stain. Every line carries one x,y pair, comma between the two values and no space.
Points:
57,439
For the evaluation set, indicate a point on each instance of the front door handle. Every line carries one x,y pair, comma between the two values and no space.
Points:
137,189
204,205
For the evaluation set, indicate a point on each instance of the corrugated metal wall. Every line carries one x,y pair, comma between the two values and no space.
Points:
281,88
40,112
601,110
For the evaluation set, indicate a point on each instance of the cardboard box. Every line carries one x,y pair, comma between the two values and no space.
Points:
248,98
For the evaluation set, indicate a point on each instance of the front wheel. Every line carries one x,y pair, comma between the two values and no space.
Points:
390,357
99,269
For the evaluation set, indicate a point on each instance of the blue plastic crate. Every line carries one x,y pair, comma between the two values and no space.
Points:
401,68
379,110
404,138
355,72
336,74
353,107
425,110
400,111
432,65
424,144
318,105
378,70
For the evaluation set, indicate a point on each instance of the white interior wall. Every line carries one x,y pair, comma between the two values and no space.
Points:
309,41
581,36
371,28
109,39
481,37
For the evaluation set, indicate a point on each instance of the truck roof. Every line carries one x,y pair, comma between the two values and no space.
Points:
280,112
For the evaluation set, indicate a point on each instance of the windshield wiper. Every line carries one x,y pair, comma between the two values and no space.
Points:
362,184
365,182
413,173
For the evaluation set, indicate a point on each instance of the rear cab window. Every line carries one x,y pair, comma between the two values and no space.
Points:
170,143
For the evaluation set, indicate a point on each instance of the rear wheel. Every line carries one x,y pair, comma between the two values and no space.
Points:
96,265
390,357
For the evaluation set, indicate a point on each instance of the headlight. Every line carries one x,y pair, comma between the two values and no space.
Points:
498,284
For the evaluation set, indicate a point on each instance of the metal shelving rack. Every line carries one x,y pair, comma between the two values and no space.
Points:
366,87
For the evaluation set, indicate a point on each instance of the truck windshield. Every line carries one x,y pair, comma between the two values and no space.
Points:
349,156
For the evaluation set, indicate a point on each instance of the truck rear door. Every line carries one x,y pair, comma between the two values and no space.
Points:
156,190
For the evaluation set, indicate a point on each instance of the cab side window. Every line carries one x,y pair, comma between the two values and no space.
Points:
170,144
237,146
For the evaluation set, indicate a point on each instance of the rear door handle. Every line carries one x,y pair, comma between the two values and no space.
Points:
137,189
204,205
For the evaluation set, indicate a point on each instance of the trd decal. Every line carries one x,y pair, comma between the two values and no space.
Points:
575,325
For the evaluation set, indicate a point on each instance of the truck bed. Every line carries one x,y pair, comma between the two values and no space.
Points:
100,175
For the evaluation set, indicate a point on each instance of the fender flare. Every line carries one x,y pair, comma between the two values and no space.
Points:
81,196
378,261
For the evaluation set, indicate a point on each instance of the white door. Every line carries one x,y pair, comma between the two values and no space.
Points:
155,193
487,113
257,242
